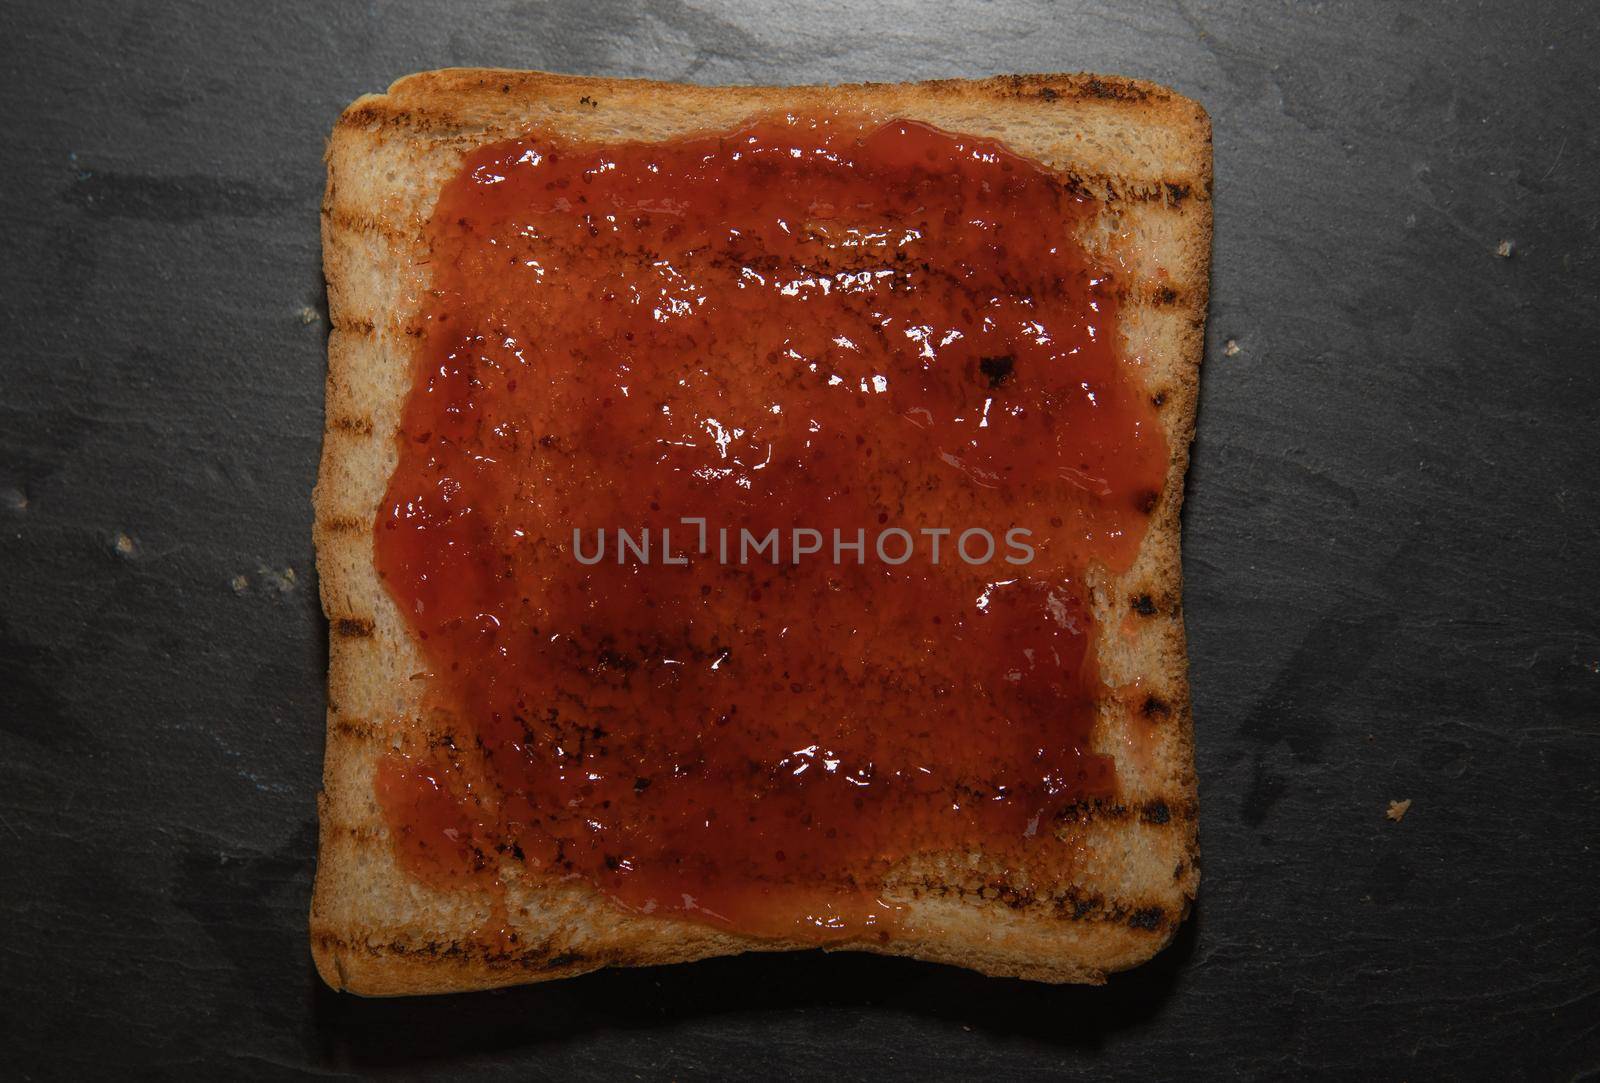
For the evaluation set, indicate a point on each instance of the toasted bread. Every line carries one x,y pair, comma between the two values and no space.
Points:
1141,149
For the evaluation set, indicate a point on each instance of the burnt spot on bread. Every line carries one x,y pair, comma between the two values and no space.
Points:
1146,500
1143,605
353,627
997,369
1148,918
342,524
1159,399
1177,192
1155,812
1048,93
590,102
1155,708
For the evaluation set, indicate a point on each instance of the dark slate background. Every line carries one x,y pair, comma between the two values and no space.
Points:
1391,546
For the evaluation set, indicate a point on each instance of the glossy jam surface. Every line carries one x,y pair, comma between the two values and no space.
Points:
815,323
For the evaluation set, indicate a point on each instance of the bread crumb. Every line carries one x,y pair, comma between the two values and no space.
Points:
283,581
1397,810
1503,250
1232,348
239,584
308,315
122,544
16,500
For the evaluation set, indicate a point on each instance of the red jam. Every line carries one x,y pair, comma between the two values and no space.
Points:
817,324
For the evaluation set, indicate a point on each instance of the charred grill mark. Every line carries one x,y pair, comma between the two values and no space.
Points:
1154,295
352,627
1148,918
1068,904
1091,87
366,327
354,426
1162,296
1172,193
357,730
1092,810
1110,90
379,115
1154,811
348,221
542,957
1169,191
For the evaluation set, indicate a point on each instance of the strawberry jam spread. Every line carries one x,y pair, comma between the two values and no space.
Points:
746,493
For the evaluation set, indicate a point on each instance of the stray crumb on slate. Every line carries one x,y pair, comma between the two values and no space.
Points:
1503,250
122,544
15,499
1397,810
239,584
308,315
283,581
1232,348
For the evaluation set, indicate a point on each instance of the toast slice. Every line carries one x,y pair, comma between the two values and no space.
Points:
1142,151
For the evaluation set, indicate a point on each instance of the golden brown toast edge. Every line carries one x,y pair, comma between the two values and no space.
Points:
1144,149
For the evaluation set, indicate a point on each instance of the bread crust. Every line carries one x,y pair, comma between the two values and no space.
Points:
1144,150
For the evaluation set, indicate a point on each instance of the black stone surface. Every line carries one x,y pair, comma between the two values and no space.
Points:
1391,543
